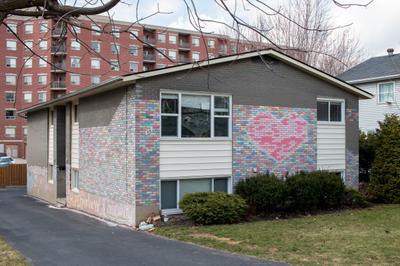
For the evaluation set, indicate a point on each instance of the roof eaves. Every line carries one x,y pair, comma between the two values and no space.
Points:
372,79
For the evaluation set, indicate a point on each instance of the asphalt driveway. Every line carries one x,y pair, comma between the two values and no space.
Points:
48,236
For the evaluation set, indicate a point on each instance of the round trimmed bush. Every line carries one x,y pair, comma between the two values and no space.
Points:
354,198
213,207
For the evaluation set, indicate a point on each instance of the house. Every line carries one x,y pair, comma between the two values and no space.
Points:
136,144
379,76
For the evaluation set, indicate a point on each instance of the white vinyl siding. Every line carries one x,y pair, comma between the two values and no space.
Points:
75,145
331,146
195,158
51,144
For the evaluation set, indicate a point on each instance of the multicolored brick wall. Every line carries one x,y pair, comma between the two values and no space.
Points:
352,156
38,185
280,140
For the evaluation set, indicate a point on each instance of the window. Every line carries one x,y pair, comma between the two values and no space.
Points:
43,45
161,65
211,55
211,43
133,50
172,54
386,92
25,130
28,44
96,30
10,96
75,62
11,62
195,41
115,32
11,45
114,65
75,179
43,27
133,67
12,27
330,110
95,63
27,96
76,29
172,191
75,79
162,37
28,28
195,116
95,46
42,79
10,114
95,80
75,45
43,61
196,56
115,48
28,62
42,96
27,79
11,79
10,132
161,53
172,39
133,34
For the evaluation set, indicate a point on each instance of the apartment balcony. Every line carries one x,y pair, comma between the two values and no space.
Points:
223,51
149,58
59,32
58,85
58,67
149,41
59,49
184,60
184,45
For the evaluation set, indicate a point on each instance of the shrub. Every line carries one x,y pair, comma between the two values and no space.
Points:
367,147
315,190
213,207
353,198
263,193
385,175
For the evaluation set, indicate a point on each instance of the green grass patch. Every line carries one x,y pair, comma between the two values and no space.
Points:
354,237
9,256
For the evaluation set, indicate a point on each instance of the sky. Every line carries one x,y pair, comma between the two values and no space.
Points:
376,26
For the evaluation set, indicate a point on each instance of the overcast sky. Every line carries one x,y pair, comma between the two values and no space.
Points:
377,26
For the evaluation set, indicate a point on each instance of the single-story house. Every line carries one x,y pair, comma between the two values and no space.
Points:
134,145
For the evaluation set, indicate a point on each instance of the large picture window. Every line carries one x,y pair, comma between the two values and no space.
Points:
195,116
330,111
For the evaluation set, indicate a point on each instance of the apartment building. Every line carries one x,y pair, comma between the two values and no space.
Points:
69,57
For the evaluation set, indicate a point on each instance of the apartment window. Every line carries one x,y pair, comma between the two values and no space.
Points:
76,29
386,92
115,32
161,53
172,191
25,130
133,34
75,62
12,27
211,55
172,39
28,44
42,96
27,96
11,62
10,114
75,79
11,45
161,65
96,30
43,45
95,63
11,79
195,41
27,79
95,46
196,56
75,179
10,132
42,79
172,54
28,28
133,67
28,62
10,96
162,37
115,48
114,65
43,61
211,43
95,80
75,45
43,27
330,110
133,50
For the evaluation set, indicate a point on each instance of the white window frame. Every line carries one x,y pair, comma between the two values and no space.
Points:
31,79
75,45
46,28
95,28
42,61
25,131
211,43
96,50
13,27
135,32
78,77
115,32
115,67
179,114
137,66
42,93
117,47
42,75
27,93
12,47
28,62
194,59
11,117
79,62
30,31
197,43
14,78
95,60
161,40
378,91
171,41
162,53
76,29
9,92
172,57
136,50
75,180
11,66
43,45
91,79
343,107
28,43
12,135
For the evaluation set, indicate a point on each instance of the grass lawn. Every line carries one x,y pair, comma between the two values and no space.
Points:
357,237
9,256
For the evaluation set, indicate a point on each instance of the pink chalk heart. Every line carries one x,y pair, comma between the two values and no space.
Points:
278,137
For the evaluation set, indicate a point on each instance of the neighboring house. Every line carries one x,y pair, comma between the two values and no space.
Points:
134,145
380,76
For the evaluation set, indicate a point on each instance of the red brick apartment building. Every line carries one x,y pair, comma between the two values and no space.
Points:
100,52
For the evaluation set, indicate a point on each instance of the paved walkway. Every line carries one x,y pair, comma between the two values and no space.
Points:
48,236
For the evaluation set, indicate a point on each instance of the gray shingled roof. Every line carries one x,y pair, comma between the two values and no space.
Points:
374,67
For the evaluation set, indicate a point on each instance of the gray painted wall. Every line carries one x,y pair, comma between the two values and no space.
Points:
37,138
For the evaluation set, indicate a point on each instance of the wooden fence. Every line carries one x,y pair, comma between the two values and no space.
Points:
13,175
